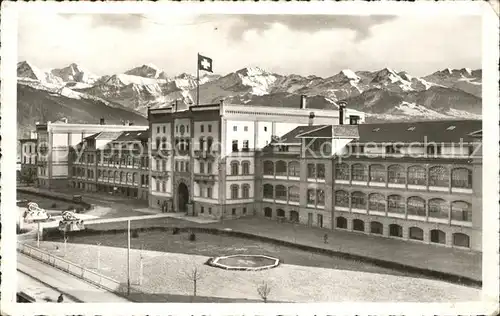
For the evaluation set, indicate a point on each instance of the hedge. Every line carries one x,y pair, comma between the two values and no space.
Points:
85,205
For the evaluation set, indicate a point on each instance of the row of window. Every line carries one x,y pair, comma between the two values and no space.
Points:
416,175
415,205
235,191
292,194
235,166
395,230
292,169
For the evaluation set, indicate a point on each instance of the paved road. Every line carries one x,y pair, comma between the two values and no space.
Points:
39,291
72,288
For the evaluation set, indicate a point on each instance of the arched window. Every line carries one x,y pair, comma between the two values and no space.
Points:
268,191
416,206
359,172
280,193
438,176
115,176
395,204
210,141
268,212
202,143
461,211
376,202
280,213
294,169
461,240
245,167
129,177
376,228
341,222
134,177
416,233
234,191
294,216
461,178
417,175
110,174
358,200
341,171
396,174
395,230
320,197
358,225
311,196
438,208
234,168
281,168
121,176
341,198
246,191
294,194
438,236
377,173
268,168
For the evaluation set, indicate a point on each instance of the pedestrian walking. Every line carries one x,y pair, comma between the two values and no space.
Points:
325,238
60,299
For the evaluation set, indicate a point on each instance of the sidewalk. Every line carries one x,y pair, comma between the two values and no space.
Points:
426,256
64,283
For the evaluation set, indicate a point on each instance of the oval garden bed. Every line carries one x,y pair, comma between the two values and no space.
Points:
244,262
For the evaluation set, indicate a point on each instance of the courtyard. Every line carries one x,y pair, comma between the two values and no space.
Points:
302,276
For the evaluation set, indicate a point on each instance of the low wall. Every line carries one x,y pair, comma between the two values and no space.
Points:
85,205
55,235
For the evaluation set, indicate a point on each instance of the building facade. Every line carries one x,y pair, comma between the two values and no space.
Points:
54,143
413,181
28,161
204,159
112,162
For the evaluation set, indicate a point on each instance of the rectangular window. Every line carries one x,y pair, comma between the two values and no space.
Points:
164,129
202,210
233,211
202,167
209,128
187,166
245,145
209,193
176,166
209,167
202,128
311,170
209,210
235,128
202,192
235,146
158,130
245,128
265,128
244,210
164,186
320,170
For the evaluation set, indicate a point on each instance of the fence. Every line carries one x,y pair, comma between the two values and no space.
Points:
78,271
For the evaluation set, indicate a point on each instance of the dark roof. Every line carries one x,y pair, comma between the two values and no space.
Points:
93,136
405,132
291,136
430,131
25,140
133,136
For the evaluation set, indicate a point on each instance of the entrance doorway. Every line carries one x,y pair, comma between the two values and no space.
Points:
182,197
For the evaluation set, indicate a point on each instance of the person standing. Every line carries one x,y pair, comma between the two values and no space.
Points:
325,238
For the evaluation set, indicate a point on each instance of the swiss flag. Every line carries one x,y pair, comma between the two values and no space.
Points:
204,63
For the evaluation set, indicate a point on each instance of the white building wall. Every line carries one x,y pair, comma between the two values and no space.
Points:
161,130
214,133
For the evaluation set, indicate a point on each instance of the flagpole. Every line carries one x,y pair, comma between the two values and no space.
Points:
198,80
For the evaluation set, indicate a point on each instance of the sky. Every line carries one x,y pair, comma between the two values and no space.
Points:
320,45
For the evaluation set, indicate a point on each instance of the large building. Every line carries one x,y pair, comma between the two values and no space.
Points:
204,159
54,142
112,162
415,181
28,161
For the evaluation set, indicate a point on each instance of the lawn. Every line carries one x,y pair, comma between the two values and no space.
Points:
220,245
167,276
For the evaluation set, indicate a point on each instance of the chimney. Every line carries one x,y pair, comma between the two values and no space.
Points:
342,105
311,118
303,101
101,121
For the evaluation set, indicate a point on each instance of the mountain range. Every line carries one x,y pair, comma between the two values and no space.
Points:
384,95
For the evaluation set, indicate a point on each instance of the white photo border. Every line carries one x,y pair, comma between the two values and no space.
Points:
490,197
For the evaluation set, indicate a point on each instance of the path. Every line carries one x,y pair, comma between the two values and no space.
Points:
72,287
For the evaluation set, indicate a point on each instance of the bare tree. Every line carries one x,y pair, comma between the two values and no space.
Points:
195,274
264,289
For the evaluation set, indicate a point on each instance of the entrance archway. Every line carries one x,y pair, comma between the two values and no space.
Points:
182,197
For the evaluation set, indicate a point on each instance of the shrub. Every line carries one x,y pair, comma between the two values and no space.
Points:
79,209
192,237
135,234
176,231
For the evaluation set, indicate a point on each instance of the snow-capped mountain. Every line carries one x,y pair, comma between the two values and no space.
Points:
383,93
